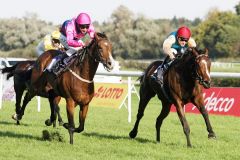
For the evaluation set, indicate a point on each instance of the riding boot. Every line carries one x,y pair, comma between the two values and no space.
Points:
162,69
63,65
159,75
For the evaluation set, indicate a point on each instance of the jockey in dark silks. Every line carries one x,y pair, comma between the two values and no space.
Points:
176,42
77,33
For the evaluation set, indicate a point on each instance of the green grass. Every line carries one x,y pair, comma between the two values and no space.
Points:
106,136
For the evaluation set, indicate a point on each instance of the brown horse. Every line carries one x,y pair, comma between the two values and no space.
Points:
76,84
21,73
182,84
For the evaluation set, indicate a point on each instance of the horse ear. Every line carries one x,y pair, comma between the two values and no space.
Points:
96,36
206,51
194,51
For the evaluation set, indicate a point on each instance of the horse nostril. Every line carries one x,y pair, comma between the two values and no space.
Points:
109,63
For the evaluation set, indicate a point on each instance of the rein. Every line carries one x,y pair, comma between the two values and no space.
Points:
81,58
199,77
80,78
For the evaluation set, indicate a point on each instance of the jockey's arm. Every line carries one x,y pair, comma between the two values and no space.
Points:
48,43
167,44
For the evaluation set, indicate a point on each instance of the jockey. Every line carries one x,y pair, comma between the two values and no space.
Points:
77,33
50,41
176,42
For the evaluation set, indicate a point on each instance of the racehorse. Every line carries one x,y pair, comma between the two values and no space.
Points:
182,84
76,84
20,73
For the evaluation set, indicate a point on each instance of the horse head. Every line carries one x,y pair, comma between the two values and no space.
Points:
202,67
103,51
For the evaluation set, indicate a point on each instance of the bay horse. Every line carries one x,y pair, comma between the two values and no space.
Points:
76,84
182,84
21,78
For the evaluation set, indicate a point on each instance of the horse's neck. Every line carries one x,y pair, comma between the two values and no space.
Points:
89,67
184,67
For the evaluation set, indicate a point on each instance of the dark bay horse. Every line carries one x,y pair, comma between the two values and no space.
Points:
76,84
182,84
21,77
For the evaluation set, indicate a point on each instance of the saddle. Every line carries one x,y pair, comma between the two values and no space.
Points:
65,62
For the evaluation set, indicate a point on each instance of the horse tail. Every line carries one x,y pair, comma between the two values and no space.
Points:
149,71
9,71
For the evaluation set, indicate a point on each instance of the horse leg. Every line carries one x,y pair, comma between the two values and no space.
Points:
181,115
70,126
19,92
28,96
82,116
166,106
144,99
53,106
56,101
199,104
60,121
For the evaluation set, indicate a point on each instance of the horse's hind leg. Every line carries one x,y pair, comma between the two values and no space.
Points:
144,99
166,106
53,107
19,92
28,96
60,121
56,101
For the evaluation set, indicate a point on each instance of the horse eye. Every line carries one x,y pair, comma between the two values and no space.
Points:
100,49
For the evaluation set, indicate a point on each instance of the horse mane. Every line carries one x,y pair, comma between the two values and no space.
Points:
102,35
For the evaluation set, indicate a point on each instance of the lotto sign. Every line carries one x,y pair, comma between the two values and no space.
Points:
109,95
223,101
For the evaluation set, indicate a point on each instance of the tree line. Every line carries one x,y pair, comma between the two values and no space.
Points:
133,36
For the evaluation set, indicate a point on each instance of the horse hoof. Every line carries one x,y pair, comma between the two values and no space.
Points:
48,122
60,123
18,122
16,117
66,125
212,136
132,134
78,130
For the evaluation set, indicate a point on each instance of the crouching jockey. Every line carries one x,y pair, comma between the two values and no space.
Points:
77,33
176,42
50,42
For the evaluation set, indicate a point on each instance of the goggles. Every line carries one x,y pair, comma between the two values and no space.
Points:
83,26
183,39
56,41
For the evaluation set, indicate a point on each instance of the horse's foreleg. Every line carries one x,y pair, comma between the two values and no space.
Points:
184,123
164,113
70,114
204,113
82,116
198,102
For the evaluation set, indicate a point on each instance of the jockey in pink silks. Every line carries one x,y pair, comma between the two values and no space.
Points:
77,33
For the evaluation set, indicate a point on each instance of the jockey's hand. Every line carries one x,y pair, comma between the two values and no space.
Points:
172,56
87,43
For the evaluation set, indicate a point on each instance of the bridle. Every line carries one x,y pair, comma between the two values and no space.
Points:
98,56
197,75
